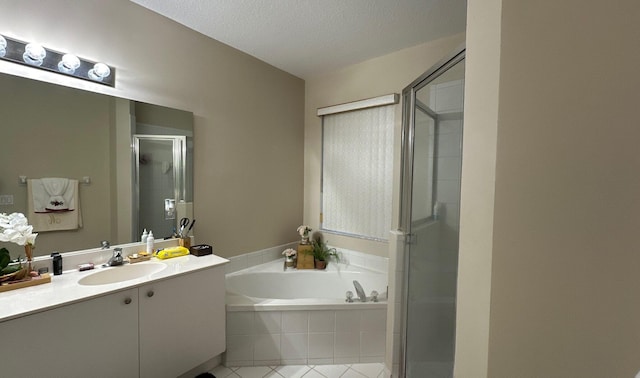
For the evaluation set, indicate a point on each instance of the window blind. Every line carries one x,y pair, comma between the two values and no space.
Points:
357,172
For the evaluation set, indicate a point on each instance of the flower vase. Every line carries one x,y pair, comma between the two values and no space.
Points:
289,261
305,238
28,250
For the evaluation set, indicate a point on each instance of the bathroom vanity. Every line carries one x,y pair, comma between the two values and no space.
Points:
159,325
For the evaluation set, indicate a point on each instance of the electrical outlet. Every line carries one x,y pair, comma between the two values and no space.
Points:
6,199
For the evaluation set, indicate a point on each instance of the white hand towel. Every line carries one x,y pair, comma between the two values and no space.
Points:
56,188
44,220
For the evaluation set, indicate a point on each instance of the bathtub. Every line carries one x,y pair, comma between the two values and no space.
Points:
278,317
267,286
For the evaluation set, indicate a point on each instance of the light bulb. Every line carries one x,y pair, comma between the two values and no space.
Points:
99,72
34,54
3,46
68,64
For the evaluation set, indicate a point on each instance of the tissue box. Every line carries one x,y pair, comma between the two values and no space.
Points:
201,250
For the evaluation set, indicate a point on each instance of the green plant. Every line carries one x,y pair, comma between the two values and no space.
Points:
322,252
5,260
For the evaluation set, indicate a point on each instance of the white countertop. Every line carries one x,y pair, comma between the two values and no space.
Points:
64,289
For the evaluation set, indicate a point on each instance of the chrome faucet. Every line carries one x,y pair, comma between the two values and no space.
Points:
349,295
104,244
117,258
360,291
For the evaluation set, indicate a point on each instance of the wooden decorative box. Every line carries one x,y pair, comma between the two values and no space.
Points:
185,242
305,257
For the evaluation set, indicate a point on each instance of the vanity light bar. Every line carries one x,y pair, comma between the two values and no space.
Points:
38,56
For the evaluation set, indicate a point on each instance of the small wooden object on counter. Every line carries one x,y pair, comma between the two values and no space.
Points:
139,257
305,256
43,279
185,242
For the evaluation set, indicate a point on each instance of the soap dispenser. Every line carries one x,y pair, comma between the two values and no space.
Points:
57,263
150,241
144,236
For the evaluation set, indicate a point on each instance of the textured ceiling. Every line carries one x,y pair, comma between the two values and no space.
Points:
309,37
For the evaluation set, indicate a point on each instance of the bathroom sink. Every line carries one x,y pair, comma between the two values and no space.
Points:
122,273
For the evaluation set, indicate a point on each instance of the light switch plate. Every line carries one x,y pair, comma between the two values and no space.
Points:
6,199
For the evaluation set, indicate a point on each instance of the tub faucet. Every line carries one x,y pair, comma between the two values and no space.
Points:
360,291
349,295
117,258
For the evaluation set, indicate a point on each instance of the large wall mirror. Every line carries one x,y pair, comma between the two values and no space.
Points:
51,131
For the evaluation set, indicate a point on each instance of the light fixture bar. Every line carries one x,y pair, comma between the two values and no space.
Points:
38,56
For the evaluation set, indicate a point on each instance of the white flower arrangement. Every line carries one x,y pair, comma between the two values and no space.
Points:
304,230
290,252
16,229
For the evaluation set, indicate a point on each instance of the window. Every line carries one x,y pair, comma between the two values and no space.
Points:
357,171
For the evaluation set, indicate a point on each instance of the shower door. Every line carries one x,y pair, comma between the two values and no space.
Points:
432,158
159,182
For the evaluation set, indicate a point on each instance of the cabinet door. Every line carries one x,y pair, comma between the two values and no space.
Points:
94,338
182,323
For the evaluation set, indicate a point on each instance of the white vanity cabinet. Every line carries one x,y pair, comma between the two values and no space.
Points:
94,338
160,329
182,322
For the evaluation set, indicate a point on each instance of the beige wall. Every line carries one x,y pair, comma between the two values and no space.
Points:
164,117
383,75
248,115
562,265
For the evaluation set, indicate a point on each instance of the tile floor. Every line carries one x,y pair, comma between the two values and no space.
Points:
375,370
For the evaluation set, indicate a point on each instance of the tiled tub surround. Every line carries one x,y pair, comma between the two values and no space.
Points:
263,332
315,337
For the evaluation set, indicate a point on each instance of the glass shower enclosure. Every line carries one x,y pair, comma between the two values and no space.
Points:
430,207
160,182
